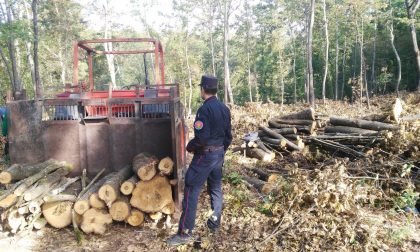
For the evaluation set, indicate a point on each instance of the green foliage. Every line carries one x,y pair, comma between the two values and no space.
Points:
234,178
407,198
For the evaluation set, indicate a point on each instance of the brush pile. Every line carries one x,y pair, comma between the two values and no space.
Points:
41,193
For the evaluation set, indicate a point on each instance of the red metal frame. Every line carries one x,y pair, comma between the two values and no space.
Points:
85,45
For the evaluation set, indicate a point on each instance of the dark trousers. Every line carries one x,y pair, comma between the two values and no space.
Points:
203,167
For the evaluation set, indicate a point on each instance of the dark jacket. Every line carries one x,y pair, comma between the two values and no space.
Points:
212,126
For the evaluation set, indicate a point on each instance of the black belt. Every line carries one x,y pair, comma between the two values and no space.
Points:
212,149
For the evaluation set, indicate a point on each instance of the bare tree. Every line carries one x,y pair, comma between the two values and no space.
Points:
412,8
373,73
394,49
327,47
310,70
227,11
336,62
38,91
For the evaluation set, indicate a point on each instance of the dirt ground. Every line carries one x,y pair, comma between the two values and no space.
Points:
256,222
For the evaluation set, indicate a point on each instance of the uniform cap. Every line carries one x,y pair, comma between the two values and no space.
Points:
208,82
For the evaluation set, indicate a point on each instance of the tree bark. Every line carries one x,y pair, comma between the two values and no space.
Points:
18,172
309,56
307,114
394,49
350,130
327,47
144,165
278,136
38,87
45,185
58,213
110,190
120,209
411,14
228,87
363,124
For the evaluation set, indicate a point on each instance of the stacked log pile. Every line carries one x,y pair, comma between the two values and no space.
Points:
41,193
289,133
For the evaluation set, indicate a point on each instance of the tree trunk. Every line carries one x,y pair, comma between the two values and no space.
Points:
361,64
309,56
151,196
108,47
45,185
16,81
189,77
344,67
411,14
363,124
282,131
110,190
82,204
144,165
26,183
38,93
58,213
136,218
95,221
228,87
281,79
59,197
96,202
260,154
373,73
336,62
248,30
397,56
278,136
350,130
128,186
120,209
18,172
166,166
327,47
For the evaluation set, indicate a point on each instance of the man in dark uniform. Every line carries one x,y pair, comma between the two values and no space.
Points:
212,137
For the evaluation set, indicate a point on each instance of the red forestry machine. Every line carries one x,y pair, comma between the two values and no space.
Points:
94,129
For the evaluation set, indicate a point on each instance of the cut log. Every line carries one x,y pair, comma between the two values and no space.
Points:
9,201
23,210
57,214
59,197
83,203
261,145
292,137
95,221
110,190
338,147
261,186
166,166
120,209
350,130
295,122
307,114
18,172
299,128
96,202
265,176
40,223
274,141
144,165
128,186
169,208
278,136
46,184
364,124
397,109
35,205
151,196
26,183
260,154
136,218
64,183
156,216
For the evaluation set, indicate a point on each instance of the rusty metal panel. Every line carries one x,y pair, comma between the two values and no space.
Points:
154,136
61,142
123,142
25,129
97,147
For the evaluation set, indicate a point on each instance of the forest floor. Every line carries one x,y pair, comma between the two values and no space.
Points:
320,206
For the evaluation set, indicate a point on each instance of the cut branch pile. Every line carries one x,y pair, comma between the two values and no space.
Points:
349,136
42,194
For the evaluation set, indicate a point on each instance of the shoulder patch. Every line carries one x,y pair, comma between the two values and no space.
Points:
198,125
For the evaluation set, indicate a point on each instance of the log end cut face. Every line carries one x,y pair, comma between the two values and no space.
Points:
57,214
95,221
151,196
